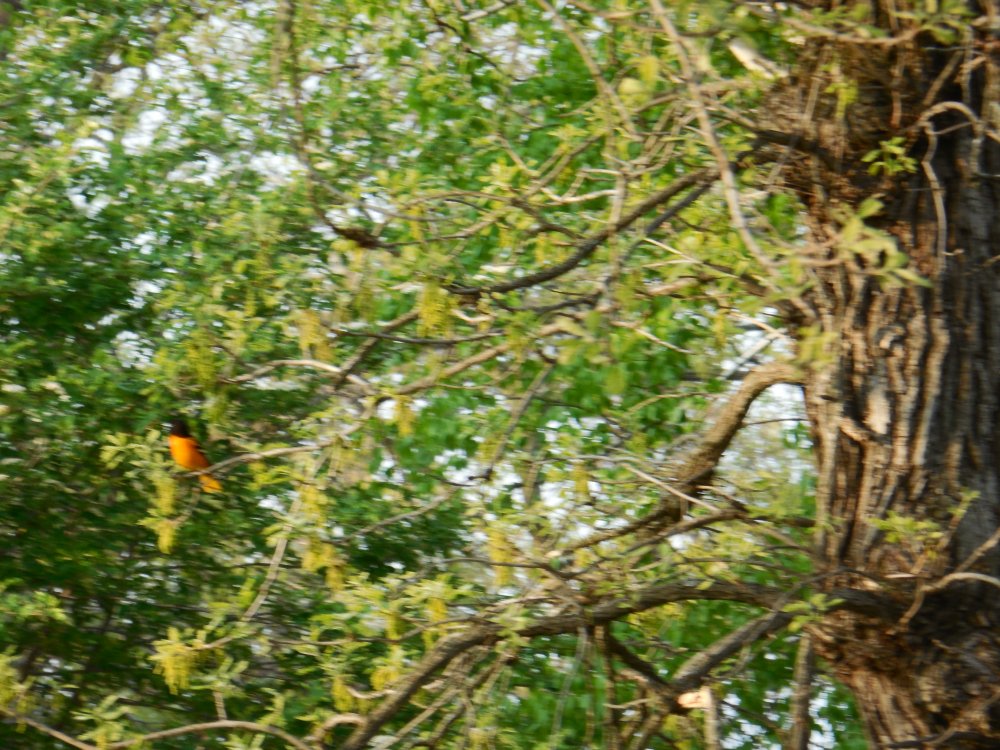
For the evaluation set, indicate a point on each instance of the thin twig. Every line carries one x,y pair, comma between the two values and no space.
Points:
726,174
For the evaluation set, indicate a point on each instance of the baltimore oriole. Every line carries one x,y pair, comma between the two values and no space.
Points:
188,455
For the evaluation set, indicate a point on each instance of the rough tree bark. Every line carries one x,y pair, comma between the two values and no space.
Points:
905,412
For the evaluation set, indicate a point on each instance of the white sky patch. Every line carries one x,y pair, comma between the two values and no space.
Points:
406,124
145,289
125,83
311,84
141,136
232,38
521,58
95,146
276,169
145,243
388,409
274,384
273,503
132,351
206,171
89,207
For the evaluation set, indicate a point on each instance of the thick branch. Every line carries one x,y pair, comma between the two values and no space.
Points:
617,648
604,612
663,512
447,649
694,670
703,460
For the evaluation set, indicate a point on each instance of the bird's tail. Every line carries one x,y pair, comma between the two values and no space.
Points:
209,483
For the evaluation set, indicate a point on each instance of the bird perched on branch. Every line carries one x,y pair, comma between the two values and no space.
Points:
188,455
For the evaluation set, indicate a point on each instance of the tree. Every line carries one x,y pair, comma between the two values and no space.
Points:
899,416
470,302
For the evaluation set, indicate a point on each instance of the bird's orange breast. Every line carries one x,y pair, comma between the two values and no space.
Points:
186,453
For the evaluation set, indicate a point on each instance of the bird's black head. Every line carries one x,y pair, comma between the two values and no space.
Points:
179,427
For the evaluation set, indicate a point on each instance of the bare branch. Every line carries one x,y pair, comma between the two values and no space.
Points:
703,460
245,458
941,584
602,85
726,173
366,348
587,248
515,418
416,512
805,665
612,609
420,341
659,514
695,669
478,358
212,726
617,648
209,726
311,364
50,731
978,553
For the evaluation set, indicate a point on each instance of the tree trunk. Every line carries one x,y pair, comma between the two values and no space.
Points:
904,405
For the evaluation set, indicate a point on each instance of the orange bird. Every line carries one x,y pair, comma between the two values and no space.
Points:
188,455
